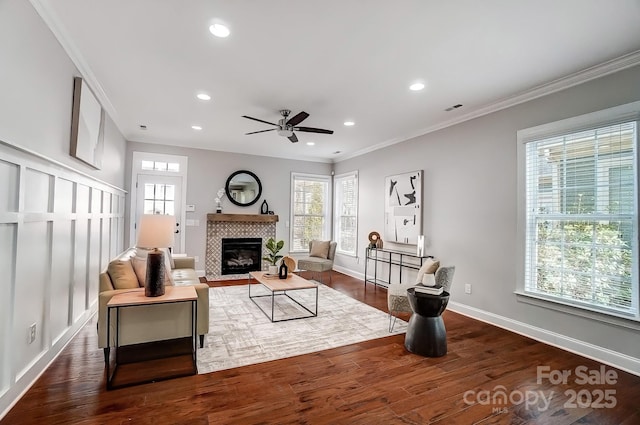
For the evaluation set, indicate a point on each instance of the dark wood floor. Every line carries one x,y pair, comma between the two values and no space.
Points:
374,382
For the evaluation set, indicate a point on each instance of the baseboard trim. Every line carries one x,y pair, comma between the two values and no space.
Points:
38,367
348,272
581,348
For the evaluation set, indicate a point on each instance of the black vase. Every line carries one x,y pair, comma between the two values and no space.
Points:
284,271
264,208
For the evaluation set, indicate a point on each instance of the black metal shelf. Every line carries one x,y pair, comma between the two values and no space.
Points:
392,258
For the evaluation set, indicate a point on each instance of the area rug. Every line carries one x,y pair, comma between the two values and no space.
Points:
240,333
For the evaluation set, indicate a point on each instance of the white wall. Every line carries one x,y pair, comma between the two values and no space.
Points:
60,220
469,217
208,171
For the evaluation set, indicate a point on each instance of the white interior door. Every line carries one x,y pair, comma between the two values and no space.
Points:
161,195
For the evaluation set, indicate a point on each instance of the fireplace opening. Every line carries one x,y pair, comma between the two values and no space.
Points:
241,255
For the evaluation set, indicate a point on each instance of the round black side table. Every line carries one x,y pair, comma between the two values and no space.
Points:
426,334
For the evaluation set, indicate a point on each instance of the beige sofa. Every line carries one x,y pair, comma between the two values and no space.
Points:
150,323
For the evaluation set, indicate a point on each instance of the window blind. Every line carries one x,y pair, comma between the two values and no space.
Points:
581,218
346,212
310,205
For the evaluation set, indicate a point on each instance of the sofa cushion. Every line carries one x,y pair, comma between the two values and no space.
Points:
122,274
169,264
184,277
320,249
140,269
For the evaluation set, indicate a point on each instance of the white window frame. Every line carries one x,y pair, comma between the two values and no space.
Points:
611,116
326,208
337,212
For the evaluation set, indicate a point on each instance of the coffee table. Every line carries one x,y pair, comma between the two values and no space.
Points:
280,287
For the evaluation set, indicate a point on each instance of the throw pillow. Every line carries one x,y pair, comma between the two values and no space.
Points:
319,249
429,267
122,274
140,269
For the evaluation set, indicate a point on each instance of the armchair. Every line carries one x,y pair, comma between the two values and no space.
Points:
397,300
320,259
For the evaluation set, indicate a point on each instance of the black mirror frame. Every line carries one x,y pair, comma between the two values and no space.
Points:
230,198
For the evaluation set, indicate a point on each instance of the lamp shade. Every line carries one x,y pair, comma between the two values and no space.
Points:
156,231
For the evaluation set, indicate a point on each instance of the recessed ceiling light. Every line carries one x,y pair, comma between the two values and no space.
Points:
349,123
203,96
219,30
310,143
416,86
196,127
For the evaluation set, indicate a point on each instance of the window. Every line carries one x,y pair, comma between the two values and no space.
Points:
581,220
173,167
159,199
345,231
310,210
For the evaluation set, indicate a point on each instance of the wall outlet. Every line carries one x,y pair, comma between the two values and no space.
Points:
196,259
32,333
467,288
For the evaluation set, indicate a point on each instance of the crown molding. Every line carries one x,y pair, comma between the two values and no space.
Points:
597,71
52,21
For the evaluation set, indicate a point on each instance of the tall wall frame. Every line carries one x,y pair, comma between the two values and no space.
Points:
58,229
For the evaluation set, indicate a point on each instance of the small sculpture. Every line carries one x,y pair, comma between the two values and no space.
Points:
219,200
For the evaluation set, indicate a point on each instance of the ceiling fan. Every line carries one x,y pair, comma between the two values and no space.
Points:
285,128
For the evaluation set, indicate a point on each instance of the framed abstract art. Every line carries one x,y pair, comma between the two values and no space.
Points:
403,208
87,125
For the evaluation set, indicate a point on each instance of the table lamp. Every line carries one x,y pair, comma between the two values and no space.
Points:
155,231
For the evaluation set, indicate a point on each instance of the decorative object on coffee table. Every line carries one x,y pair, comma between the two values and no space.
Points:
290,262
283,271
155,231
272,257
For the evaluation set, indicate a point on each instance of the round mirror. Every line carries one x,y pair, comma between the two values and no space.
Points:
243,188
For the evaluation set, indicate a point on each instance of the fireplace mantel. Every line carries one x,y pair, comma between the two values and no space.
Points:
251,218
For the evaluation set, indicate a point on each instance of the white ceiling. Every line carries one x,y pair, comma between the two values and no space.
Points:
337,60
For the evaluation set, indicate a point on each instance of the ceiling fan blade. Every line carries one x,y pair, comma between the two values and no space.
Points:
259,120
313,130
293,138
297,119
261,131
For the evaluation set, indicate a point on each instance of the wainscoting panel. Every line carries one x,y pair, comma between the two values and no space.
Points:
81,254
61,278
32,275
58,228
7,270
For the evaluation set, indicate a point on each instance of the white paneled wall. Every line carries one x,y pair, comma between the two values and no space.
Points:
58,228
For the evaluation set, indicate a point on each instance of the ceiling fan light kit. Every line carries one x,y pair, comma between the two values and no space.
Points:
286,127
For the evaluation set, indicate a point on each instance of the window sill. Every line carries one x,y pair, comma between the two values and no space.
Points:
553,304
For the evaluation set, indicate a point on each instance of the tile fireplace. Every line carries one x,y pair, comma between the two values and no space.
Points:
241,227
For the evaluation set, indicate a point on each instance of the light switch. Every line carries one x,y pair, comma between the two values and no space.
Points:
191,208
